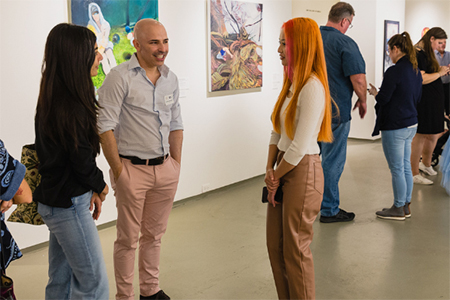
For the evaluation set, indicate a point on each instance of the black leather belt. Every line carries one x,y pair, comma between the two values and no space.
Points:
149,162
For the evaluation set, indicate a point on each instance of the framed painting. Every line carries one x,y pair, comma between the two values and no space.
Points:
112,22
424,30
390,28
235,45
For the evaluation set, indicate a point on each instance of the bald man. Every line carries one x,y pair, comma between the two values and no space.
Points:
141,134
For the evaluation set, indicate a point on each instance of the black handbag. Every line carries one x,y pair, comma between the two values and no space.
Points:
278,195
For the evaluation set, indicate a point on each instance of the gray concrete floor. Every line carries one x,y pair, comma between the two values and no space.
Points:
214,247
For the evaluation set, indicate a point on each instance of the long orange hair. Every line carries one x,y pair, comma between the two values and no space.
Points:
305,58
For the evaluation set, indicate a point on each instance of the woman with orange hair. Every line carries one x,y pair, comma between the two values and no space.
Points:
301,118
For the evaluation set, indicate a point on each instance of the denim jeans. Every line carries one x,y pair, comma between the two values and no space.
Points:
76,266
333,161
397,149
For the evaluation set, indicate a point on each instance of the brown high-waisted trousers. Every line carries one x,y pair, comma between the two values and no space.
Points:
290,229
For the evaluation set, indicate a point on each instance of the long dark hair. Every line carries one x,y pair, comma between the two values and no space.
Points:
403,42
67,107
437,33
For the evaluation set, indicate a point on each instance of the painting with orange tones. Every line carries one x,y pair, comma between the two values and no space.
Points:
235,50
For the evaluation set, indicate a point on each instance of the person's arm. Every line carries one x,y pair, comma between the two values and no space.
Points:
311,104
5,205
360,86
110,97
83,165
429,78
96,203
23,194
269,179
373,90
282,169
111,152
271,183
87,173
176,143
388,86
272,156
176,126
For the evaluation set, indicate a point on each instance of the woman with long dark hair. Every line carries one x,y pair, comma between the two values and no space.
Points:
431,106
397,119
301,118
67,142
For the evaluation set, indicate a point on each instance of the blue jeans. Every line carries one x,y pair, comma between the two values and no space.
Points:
397,149
333,161
76,266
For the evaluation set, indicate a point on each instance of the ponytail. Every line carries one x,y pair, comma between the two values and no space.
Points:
403,42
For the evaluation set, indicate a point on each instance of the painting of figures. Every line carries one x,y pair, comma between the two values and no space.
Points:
112,22
235,45
391,28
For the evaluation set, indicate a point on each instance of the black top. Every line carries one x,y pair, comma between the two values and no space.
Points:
433,89
431,106
65,174
398,97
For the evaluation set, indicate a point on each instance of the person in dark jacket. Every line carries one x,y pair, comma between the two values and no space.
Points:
396,110
67,142
13,190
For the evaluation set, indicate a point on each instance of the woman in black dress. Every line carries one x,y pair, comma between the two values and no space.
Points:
431,106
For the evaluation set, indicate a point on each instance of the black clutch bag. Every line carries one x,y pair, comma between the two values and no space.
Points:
278,195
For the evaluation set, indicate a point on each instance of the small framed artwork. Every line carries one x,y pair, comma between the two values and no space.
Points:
112,22
390,28
235,45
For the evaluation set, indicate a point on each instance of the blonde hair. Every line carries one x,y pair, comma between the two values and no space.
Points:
305,58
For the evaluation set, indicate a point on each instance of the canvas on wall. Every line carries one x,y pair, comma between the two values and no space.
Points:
235,52
112,22
391,28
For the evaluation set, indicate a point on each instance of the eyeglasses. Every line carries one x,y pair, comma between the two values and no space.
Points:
350,22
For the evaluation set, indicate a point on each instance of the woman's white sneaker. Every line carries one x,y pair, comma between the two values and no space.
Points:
419,179
427,170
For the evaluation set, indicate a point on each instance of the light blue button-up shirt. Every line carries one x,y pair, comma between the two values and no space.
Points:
141,114
443,61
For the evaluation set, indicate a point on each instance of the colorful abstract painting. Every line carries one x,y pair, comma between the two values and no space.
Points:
113,22
235,45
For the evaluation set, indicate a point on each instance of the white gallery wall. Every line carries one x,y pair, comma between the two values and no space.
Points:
21,53
430,13
317,10
225,138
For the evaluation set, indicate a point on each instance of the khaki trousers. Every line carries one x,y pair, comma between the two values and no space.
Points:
290,229
144,196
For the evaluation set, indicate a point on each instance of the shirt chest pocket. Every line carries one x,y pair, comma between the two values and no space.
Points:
139,101
164,103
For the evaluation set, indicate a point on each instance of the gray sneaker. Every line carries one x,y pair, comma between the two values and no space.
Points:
406,209
393,213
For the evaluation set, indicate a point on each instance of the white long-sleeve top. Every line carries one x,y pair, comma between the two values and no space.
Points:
308,119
